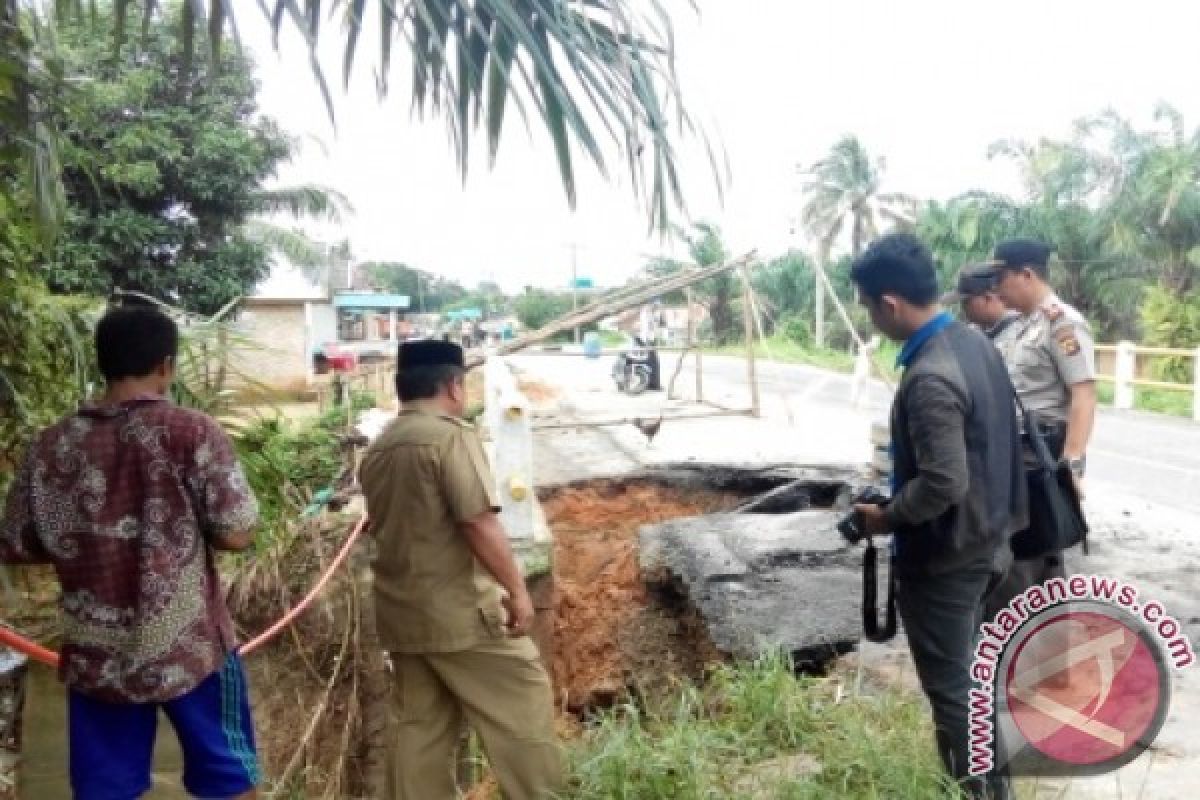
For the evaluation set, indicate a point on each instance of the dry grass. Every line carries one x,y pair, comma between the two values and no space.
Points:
317,688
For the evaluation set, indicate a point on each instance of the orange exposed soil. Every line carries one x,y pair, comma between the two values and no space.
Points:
601,598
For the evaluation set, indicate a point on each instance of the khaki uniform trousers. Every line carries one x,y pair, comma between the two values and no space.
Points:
501,689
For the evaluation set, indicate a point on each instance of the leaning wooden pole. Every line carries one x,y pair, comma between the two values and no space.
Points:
623,299
694,341
748,327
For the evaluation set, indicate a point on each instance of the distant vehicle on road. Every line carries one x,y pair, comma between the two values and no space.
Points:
636,368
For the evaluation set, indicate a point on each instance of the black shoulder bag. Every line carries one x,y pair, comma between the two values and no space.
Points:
1056,519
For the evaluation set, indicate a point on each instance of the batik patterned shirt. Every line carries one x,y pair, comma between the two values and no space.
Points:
124,501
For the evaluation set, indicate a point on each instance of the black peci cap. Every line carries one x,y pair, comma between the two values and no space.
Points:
973,281
429,353
1016,254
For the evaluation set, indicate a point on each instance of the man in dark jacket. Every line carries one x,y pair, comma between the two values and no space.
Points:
958,482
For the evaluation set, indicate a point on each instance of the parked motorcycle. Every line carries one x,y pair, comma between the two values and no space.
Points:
636,369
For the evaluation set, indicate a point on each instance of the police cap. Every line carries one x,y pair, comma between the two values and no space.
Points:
973,281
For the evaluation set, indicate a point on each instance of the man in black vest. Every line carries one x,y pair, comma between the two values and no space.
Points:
958,482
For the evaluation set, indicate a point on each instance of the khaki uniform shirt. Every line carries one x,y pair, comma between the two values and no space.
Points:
422,477
1046,352
1004,332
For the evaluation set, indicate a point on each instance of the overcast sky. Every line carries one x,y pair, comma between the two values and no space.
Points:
927,84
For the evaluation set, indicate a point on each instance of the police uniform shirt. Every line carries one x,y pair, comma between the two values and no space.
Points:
1047,351
1002,333
422,477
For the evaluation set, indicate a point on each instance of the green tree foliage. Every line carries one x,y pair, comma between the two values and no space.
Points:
785,290
966,229
537,307
31,88
706,248
487,296
1066,206
1153,197
285,465
1171,320
46,363
162,169
1121,207
428,292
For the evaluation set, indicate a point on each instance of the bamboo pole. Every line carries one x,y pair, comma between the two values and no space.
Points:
628,298
858,340
694,339
748,328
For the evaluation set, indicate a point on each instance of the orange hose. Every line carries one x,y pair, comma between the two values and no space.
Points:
50,658
22,645
271,632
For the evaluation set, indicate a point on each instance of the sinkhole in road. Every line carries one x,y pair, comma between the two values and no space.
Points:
621,628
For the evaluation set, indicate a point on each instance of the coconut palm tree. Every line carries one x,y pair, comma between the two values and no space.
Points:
846,187
1154,213
966,229
312,257
1070,186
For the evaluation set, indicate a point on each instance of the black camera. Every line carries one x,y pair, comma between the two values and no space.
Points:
852,526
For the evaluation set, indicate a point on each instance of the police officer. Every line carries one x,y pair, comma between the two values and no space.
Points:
975,292
1051,358
450,601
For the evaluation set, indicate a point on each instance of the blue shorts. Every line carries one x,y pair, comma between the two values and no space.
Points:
112,744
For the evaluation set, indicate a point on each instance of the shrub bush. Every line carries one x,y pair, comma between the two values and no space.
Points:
797,329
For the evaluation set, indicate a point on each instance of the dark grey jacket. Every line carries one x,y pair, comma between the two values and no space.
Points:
957,456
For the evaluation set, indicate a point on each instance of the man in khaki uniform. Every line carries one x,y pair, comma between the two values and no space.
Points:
451,603
975,293
1051,359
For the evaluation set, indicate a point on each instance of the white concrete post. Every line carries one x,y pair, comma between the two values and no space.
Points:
511,425
1124,373
861,381
881,457
392,325
1196,385
310,345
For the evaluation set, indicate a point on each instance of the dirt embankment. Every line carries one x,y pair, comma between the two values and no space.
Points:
612,631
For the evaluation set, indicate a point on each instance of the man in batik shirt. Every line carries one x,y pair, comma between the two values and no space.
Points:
128,498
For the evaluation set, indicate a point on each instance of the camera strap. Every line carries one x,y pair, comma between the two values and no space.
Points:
870,612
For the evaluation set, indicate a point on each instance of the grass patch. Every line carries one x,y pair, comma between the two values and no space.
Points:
729,738
285,463
1159,401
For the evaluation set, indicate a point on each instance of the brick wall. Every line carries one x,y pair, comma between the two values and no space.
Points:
278,358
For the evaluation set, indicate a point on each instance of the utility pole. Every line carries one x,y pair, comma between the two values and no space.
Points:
819,289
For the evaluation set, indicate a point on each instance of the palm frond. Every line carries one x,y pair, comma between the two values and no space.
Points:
306,254
318,202
470,58
579,67
31,83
